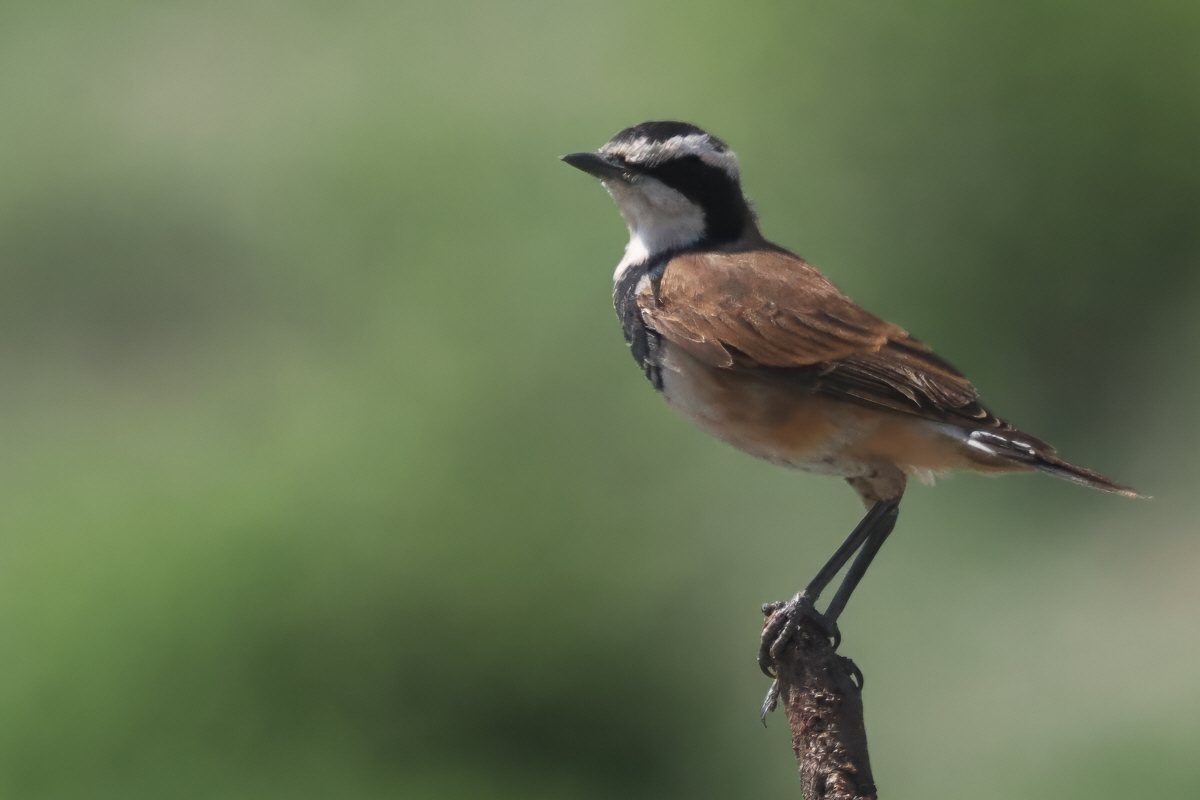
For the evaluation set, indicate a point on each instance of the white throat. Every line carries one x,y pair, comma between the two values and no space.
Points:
659,219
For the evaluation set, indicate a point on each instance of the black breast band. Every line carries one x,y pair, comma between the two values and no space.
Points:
643,342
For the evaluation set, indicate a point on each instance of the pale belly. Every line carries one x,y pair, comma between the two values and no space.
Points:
792,427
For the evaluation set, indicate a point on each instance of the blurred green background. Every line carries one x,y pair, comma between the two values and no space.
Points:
325,471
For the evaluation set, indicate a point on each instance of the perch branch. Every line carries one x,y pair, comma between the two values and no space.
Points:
821,693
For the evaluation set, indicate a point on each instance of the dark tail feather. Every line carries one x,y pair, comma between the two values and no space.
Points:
1052,465
1024,449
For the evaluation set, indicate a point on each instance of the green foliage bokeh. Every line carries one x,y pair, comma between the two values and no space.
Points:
325,471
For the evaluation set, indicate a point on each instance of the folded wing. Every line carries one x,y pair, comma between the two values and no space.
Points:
769,310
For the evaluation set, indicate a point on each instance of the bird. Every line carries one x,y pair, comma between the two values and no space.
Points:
760,350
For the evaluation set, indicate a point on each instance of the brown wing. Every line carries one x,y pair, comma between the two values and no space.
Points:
905,375
761,308
767,309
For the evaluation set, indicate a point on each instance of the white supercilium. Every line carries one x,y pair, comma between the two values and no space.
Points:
649,152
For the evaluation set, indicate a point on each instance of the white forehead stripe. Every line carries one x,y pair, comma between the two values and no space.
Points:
651,153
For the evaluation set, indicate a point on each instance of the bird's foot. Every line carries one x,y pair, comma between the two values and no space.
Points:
783,620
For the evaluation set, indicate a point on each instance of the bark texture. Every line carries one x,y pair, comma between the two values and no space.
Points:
821,693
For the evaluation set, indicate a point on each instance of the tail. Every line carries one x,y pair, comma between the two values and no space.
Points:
1013,446
1052,465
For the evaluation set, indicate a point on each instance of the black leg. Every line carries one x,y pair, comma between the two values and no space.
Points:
887,521
784,617
854,541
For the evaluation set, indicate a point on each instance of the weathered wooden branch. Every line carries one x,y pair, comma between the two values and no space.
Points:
821,693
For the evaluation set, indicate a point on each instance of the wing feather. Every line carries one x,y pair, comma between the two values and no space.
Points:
767,309
763,307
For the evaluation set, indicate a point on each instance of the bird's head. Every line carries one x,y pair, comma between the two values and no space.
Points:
674,184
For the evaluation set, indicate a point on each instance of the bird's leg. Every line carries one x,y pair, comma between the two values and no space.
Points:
870,536
859,568
785,616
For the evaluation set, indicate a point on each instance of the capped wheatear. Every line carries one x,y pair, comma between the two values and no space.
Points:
760,350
